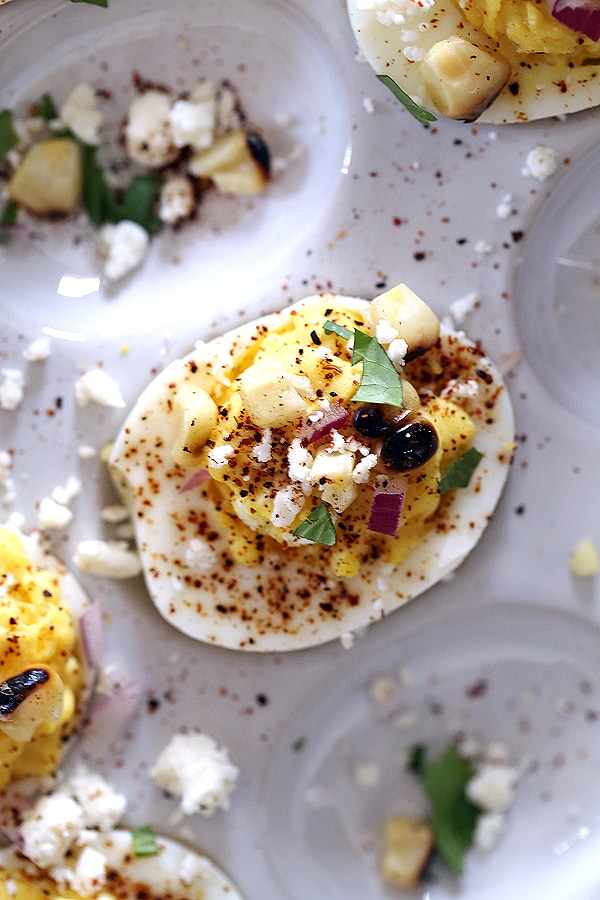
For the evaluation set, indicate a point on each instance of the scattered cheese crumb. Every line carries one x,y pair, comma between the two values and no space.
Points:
53,516
193,767
37,350
541,163
505,207
124,246
66,494
111,559
80,113
96,386
11,389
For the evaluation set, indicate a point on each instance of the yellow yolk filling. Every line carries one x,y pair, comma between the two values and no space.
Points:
257,487
527,26
36,629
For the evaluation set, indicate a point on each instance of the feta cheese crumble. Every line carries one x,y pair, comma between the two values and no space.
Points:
96,386
80,113
193,767
124,246
110,559
11,389
37,350
540,163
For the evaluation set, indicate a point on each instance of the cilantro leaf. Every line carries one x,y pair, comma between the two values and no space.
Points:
380,382
8,136
421,115
459,472
102,205
318,527
144,841
8,218
454,816
45,108
333,328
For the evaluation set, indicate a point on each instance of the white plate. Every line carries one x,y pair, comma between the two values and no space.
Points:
374,199
523,677
558,291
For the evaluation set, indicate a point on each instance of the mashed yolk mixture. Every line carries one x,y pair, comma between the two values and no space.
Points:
36,629
17,886
527,26
270,466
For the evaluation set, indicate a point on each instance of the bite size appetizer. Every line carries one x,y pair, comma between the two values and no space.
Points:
46,674
304,475
495,61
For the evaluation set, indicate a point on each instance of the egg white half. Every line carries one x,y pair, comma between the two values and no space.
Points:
534,91
285,604
176,872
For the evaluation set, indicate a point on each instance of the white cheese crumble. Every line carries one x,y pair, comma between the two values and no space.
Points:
286,506
148,133
493,787
505,208
397,351
6,481
80,113
110,559
53,516
124,246
193,122
193,767
102,806
50,827
96,386
218,456
65,494
114,514
540,163
11,389
177,199
200,557
262,451
38,350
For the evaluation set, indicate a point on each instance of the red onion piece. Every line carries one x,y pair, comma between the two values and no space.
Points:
110,713
334,417
199,477
92,634
386,512
582,16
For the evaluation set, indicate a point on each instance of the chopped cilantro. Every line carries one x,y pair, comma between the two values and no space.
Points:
45,108
421,115
318,527
102,205
380,382
453,816
8,218
8,136
144,841
459,472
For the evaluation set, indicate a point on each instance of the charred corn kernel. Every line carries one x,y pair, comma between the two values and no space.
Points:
199,414
416,322
410,397
49,178
234,163
407,845
463,79
585,562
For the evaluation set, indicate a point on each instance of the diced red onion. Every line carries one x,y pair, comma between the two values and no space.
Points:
582,16
199,477
110,714
334,417
386,512
92,634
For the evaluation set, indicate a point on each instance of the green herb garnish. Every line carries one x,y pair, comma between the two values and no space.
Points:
144,841
380,382
421,115
8,136
459,472
103,3
8,218
454,817
102,205
318,527
45,109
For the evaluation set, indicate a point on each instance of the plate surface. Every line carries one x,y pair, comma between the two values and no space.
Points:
367,199
526,678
